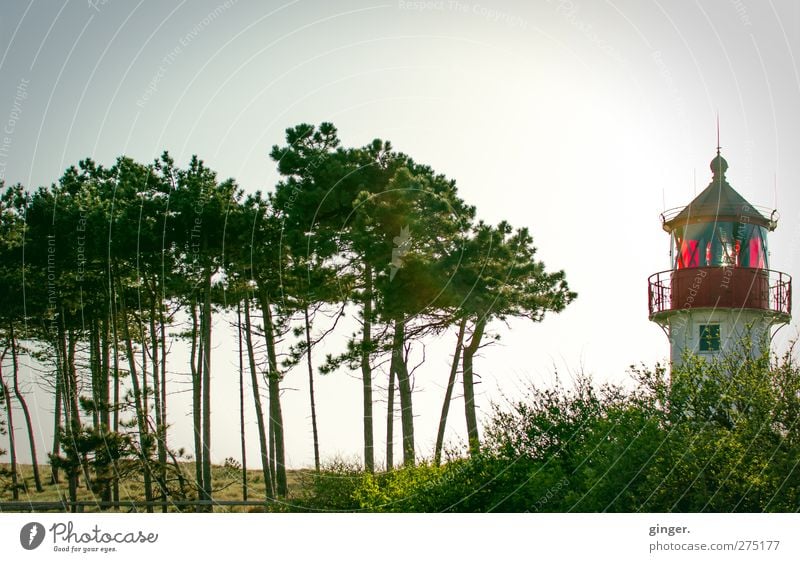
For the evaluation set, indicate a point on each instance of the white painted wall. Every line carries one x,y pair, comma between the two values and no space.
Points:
735,324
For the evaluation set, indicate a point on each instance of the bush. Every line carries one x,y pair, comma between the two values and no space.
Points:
718,436
713,436
332,488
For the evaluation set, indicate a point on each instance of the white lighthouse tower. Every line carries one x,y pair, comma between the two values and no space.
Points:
719,288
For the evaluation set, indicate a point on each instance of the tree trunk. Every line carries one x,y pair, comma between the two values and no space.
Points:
275,414
25,411
311,390
206,325
56,421
366,371
271,432
105,467
12,446
262,433
448,395
71,406
115,419
390,416
197,369
70,395
145,389
469,387
144,440
72,477
163,329
404,386
102,462
161,477
105,373
94,369
241,400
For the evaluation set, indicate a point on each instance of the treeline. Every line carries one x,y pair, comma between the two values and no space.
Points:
99,270
708,437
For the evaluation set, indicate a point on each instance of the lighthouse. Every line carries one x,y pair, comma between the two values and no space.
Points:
719,290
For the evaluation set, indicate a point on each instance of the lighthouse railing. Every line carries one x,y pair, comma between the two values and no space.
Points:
763,289
781,292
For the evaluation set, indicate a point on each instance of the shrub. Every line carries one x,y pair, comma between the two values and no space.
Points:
332,488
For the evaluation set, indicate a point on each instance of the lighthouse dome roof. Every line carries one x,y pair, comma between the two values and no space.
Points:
719,201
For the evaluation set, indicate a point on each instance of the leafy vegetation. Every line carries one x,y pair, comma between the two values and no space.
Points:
668,444
719,437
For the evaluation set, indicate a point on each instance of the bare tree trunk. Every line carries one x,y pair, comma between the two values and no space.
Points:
262,433
390,415
241,400
163,327
448,395
74,404
161,477
94,368
197,369
311,390
56,421
206,326
72,383
12,446
25,411
469,387
271,433
102,462
72,421
103,397
275,414
145,389
115,422
105,369
144,438
66,404
366,371
96,371
404,386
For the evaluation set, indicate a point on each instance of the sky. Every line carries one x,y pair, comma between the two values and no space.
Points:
580,120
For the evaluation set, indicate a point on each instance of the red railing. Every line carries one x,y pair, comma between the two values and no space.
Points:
720,287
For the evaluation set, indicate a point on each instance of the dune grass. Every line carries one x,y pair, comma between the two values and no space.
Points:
226,484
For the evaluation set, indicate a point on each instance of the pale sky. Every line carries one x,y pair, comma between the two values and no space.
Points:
580,120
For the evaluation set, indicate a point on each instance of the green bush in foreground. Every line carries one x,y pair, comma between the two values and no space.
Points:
720,437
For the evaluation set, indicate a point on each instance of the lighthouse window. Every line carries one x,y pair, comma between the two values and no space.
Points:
709,337
720,244
757,253
753,248
689,254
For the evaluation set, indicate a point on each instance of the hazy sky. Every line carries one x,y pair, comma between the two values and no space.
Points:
578,119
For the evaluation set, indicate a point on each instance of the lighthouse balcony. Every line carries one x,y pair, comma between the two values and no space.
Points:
720,287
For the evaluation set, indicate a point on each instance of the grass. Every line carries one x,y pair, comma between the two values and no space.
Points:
226,486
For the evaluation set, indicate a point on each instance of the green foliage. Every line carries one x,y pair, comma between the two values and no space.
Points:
332,488
103,450
718,436
401,490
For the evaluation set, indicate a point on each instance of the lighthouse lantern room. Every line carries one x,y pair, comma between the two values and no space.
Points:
720,290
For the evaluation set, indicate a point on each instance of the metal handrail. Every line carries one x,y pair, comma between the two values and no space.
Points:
659,291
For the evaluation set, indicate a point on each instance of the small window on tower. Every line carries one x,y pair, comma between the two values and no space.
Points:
709,337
